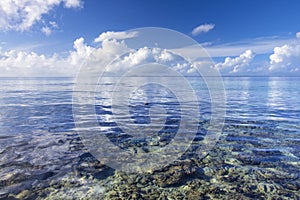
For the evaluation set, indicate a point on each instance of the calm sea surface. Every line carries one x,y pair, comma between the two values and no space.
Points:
257,156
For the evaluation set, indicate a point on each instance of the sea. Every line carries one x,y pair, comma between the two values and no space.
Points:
256,155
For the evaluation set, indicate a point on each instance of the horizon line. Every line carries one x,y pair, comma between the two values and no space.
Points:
246,76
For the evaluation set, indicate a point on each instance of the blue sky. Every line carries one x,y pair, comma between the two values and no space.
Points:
243,37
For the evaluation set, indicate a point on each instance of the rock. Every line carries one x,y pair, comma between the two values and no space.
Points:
267,188
175,174
23,195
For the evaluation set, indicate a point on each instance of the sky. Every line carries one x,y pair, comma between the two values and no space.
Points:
54,37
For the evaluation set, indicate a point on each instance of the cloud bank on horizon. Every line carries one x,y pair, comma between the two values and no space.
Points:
282,56
113,45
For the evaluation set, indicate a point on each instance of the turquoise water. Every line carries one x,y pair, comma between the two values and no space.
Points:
257,156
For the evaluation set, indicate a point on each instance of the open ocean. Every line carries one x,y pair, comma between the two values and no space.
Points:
256,157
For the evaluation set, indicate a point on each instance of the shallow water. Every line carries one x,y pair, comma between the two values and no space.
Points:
257,155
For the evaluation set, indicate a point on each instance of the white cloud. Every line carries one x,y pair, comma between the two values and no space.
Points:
298,35
115,35
285,58
279,54
24,63
53,24
150,55
110,49
235,64
21,15
72,3
295,70
21,63
204,28
28,63
46,30
257,45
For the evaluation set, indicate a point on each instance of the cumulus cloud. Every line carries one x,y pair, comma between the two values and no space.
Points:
235,64
23,63
298,35
150,55
21,15
115,35
113,46
285,58
263,45
204,28
110,49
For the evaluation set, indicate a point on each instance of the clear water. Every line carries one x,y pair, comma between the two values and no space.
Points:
41,155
